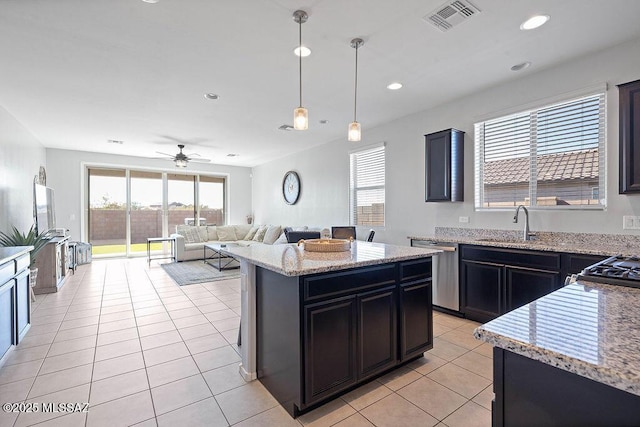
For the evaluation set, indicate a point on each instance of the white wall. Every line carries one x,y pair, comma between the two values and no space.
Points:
21,156
324,170
65,176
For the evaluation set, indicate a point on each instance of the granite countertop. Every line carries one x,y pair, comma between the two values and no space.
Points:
589,329
578,243
13,252
292,260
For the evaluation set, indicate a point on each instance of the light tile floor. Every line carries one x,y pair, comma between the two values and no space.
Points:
144,351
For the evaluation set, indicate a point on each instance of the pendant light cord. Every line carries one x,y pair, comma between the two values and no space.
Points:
300,56
355,95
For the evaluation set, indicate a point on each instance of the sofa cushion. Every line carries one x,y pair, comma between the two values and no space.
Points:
212,233
251,233
242,230
226,233
189,232
260,234
272,234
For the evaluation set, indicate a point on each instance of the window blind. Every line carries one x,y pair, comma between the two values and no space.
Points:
367,184
549,157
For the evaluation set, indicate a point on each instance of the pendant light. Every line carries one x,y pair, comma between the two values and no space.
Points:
355,132
300,114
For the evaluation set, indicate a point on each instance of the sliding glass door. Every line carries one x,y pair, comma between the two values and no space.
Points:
146,212
125,207
108,211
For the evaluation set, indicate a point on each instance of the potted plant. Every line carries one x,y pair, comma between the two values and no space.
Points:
31,238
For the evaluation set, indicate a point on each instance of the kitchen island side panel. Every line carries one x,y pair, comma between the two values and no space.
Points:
278,339
532,393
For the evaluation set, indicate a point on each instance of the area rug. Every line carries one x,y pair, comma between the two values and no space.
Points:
191,272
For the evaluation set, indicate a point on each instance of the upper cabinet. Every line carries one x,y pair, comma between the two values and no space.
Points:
444,166
629,137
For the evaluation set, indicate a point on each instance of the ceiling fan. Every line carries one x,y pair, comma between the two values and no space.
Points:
181,159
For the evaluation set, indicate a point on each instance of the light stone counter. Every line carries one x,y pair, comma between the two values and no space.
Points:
578,243
292,260
589,329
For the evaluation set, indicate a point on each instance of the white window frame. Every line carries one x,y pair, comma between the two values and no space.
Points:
602,149
353,190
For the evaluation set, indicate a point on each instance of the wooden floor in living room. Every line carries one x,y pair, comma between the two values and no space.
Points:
144,351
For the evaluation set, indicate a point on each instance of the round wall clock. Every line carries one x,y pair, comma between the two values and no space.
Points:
291,187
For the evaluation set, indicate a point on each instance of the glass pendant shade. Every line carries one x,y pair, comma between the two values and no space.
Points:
355,133
300,118
181,163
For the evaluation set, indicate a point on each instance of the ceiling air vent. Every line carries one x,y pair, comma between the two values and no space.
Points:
451,14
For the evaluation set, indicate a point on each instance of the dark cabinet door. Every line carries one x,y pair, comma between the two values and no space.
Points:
524,285
416,327
444,178
329,347
377,343
629,137
575,263
481,288
23,312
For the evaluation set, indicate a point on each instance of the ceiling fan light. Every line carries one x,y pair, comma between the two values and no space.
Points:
355,132
300,118
180,163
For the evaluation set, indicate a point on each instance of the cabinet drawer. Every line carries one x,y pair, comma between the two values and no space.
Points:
521,258
22,263
415,270
348,282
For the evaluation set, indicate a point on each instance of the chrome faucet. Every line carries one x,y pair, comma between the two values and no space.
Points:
527,232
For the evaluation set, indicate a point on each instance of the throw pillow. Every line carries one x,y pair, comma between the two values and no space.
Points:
251,233
272,234
189,232
202,234
260,234
226,233
281,240
212,233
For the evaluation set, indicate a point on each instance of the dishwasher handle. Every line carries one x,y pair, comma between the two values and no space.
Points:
445,247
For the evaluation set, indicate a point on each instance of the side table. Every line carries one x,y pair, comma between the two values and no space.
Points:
172,243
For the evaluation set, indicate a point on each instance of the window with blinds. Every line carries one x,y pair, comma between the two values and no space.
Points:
367,187
549,157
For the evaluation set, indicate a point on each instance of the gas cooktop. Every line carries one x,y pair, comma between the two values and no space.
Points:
616,270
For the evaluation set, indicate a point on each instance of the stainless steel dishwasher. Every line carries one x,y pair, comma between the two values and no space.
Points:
446,289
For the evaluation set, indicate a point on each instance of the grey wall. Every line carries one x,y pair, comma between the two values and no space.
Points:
66,175
324,170
21,156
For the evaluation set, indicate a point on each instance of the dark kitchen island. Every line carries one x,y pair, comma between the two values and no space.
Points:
316,324
570,358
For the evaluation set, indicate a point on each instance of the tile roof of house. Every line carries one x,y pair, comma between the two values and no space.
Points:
551,167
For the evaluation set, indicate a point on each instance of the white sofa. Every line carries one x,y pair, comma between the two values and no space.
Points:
190,239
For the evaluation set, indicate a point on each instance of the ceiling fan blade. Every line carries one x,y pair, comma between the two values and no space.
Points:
199,160
165,154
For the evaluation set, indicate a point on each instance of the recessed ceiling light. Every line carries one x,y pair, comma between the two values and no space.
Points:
394,86
521,66
233,155
212,96
305,51
285,127
150,1
534,22
324,121
114,141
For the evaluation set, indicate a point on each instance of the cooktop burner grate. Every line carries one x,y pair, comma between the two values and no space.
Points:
616,270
